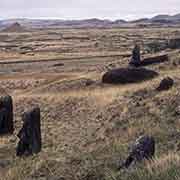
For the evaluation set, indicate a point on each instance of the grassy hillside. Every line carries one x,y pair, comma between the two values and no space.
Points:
87,129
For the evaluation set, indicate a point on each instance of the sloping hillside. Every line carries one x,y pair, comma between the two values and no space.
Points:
87,126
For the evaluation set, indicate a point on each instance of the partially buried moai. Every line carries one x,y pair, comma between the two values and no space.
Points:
30,133
136,56
6,115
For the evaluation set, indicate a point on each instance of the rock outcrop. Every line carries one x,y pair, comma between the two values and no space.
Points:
143,148
136,56
6,115
165,84
30,134
155,60
128,75
15,27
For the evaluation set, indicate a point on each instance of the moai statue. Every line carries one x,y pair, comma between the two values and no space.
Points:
136,56
30,134
143,148
6,115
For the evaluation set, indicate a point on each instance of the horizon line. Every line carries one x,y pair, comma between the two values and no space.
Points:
86,18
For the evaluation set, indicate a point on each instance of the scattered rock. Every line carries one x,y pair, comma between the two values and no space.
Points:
6,115
128,75
30,134
165,84
143,148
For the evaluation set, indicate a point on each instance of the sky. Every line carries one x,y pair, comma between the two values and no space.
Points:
84,9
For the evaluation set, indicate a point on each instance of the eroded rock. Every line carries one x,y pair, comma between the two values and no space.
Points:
155,60
30,134
136,56
128,75
165,84
143,148
6,115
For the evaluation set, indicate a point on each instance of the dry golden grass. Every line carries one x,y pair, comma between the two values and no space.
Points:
86,130
162,163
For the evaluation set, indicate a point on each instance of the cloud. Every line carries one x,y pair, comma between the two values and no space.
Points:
79,9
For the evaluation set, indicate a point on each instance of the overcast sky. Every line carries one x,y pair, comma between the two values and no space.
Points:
81,9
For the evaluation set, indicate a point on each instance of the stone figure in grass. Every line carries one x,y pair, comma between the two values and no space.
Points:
6,115
136,56
30,134
143,148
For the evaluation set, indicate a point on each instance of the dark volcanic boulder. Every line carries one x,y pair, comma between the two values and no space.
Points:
30,134
143,148
165,84
128,75
6,115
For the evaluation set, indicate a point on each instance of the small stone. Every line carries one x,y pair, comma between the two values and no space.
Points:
165,84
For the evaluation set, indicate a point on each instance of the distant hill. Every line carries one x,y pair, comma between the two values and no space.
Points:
15,27
177,16
161,17
143,20
18,24
36,23
166,19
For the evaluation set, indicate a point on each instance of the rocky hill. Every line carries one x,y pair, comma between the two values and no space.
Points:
98,23
15,27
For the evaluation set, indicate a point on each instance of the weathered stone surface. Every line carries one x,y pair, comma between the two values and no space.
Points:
154,60
136,56
143,148
128,75
30,134
6,115
165,84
